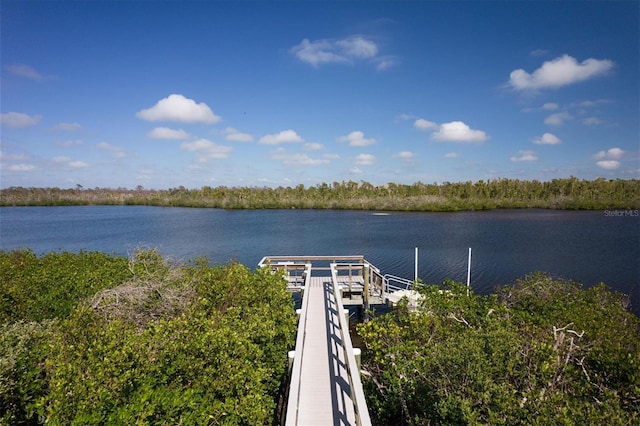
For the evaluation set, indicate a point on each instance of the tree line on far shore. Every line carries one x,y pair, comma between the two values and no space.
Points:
568,193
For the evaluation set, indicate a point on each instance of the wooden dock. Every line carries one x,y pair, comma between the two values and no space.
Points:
325,386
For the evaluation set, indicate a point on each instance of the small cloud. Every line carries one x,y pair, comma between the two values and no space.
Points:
591,121
17,120
69,143
356,138
558,118
385,62
457,131
615,153
355,170
562,71
608,164
525,156
285,136
342,51
550,106
539,52
313,146
116,151
167,133
317,52
547,139
611,154
365,160
297,159
22,70
180,109
451,155
70,163
78,165
422,124
357,47
206,150
404,117
67,127
234,135
21,167
405,155
12,157
591,104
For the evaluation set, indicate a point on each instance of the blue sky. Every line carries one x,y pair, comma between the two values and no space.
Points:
256,93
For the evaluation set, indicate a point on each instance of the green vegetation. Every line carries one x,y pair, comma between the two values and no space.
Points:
90,338
542,352
94,339
570,193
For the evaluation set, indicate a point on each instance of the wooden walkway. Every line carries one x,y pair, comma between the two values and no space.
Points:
325,384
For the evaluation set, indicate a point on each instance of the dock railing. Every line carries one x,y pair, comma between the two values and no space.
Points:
355,384
296,370
393,283
374,282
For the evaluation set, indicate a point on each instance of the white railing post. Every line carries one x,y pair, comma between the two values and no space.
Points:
416,262
469,273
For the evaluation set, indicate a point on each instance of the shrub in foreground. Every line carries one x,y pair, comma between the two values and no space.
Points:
543,351
172,344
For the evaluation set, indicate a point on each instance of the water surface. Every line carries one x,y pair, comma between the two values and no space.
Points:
589,247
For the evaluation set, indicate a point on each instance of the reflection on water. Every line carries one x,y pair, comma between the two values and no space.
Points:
589,247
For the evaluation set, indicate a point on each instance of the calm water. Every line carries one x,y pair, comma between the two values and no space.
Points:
588,247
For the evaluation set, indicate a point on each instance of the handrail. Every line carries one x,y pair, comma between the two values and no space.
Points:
357,392
309,259
389,288
296,370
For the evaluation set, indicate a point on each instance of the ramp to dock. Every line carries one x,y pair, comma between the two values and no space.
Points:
325,386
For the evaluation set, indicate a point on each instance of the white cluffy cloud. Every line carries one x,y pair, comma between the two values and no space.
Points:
547,139
356,138
313,146
22,70
422,124
116,151
295,159
405,155
167,133
21,167
457,131
558,118
525,156
562,71
285,136
326,51
365,159
234,135
19,120
608,159
454,131
179,109
67,127
206,150
69,163
346,51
